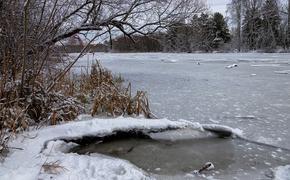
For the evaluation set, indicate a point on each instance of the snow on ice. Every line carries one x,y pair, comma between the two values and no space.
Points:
41,147
45,147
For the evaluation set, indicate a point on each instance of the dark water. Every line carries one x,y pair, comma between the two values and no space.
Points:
177,158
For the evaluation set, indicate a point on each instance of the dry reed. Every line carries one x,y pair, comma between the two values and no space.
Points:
98,89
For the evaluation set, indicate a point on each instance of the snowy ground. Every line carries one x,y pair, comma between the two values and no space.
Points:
42,148
208,88
45,155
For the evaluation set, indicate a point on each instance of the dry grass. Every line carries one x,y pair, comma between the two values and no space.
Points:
105,93
52,168
98,90
110,96
33,106
3,143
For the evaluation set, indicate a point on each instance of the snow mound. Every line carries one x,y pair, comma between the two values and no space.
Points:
282,173
223,130
43,148
45,153
215,128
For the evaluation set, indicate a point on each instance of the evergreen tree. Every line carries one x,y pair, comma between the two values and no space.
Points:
177,38
221,28
207,32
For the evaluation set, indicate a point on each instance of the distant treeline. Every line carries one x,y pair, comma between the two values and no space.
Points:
75,48
136,43
204,32
256,25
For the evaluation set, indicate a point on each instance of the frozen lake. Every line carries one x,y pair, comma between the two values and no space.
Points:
255,96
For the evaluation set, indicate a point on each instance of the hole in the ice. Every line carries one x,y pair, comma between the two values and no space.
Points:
179,152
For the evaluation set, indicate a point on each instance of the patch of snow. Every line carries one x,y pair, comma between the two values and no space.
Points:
282,173
265,65
46,147
266,140
235,132
214,121
231,66
209,165
157,169
283,72
169,61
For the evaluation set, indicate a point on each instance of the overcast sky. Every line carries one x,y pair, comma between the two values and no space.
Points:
221,5
218,5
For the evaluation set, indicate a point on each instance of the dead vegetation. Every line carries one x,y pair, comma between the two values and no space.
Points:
110,96
52,168
3,143
106,94
98,92
34,91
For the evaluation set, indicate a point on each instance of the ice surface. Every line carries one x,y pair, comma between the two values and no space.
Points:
282,173
283,72
251,97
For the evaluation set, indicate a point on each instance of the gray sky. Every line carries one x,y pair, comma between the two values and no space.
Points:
221,5
218,5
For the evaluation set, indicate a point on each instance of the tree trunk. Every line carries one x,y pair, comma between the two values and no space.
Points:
288,32
239,23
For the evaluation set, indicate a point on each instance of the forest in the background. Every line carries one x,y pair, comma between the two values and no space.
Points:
250,25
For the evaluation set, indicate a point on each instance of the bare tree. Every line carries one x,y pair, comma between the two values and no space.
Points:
235,9
288,30
34,27
32,66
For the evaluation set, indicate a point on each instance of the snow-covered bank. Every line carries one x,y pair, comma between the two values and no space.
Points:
28,163
45,154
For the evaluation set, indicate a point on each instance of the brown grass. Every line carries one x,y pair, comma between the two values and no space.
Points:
52,168
98,90
110,96
105,93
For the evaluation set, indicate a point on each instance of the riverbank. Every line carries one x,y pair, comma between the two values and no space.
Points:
45,153
41,154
